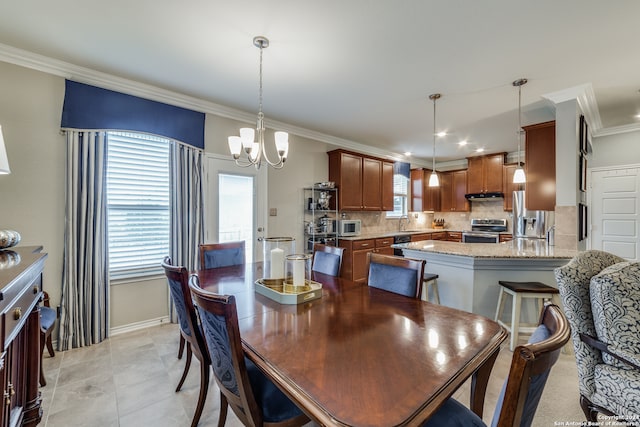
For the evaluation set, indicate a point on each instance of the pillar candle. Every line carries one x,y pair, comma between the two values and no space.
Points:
298,272
277,263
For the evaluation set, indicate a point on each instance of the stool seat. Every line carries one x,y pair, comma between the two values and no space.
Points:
529,287
429,276
517,291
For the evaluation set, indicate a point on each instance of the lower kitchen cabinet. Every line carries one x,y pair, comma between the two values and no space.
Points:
454,236
354,258
505,237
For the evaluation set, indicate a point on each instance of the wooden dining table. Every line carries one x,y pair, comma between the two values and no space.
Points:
361,356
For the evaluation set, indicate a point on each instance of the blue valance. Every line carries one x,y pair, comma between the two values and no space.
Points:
90,107
402,168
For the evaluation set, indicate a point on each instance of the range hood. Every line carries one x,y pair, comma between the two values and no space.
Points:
480,197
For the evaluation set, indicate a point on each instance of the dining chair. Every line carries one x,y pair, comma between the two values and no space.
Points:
252,396
530,367
190,331
48,317
327,259
396,274
215,255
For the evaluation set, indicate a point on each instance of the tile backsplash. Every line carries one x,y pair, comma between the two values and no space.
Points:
377,222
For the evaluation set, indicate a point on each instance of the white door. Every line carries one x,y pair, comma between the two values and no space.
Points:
615,206
235,205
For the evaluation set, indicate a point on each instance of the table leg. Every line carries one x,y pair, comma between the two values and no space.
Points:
479,381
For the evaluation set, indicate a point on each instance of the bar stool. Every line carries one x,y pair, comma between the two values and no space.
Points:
429,280
518,291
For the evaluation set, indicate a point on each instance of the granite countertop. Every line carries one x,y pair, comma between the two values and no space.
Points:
517,248
382,235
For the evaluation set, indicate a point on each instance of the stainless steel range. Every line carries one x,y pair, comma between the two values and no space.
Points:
484,230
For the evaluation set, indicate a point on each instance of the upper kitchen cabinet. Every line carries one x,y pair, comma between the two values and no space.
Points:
484,173
453,187
423,197
540,166
509,186
365,183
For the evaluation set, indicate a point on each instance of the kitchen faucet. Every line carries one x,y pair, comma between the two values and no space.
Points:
400,222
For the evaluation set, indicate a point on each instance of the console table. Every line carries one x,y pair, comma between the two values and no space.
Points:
20,294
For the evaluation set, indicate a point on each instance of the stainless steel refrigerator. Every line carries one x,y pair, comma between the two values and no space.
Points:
528,223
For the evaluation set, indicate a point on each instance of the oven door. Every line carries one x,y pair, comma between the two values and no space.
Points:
480,238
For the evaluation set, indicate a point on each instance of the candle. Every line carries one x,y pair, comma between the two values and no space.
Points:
298,272
277,263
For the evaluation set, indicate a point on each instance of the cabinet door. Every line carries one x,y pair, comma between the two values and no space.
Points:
371,184
493,173
419,237
540,167
474,175
446,191
459,189
417,190
345,170
387,186
360,265
439,235
431,201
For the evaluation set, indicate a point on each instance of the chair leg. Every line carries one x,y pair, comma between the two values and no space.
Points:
181,348
186,367
50,347
43,380
223,410
589,411
202,397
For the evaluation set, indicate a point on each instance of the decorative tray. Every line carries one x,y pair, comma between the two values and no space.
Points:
286,293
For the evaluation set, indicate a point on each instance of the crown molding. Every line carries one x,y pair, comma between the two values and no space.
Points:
634,127
89,76
586,99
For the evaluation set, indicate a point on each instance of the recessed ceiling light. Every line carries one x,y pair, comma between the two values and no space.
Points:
408,153
637,116
462,143
441,134
479,150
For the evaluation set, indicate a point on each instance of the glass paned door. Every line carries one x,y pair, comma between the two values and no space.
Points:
236,210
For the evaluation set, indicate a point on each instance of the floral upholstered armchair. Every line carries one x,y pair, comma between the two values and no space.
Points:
600,293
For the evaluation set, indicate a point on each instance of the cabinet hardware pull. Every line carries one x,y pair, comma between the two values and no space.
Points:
36,289
11,389
17,313
7,399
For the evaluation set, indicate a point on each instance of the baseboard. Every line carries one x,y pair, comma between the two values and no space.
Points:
138,326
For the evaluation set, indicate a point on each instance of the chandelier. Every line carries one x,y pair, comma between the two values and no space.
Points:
518,175
433,179
255,149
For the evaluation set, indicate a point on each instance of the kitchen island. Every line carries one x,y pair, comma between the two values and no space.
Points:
469,272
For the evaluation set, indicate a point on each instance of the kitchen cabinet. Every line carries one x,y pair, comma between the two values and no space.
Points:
453,187
421,236
354,257
484,173
505,237
454,236
423,197
365,183
439,235
540,166
508,185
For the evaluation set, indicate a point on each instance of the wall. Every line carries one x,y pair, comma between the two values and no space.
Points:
616,150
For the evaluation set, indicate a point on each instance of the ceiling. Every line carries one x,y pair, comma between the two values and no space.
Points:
359,70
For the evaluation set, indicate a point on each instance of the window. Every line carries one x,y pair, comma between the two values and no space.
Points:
137,203
400,196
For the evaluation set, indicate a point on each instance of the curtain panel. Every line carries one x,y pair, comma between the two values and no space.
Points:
186,201
91,107
84,317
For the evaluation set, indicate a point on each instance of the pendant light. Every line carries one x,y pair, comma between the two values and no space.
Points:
433,179
255,151
518,175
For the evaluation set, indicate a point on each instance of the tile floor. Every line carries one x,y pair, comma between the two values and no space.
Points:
129,380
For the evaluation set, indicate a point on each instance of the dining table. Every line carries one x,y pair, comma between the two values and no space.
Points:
361,356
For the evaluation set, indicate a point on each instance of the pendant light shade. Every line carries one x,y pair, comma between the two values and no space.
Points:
519,176
433,179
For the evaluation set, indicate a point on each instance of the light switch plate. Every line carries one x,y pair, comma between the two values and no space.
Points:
273,212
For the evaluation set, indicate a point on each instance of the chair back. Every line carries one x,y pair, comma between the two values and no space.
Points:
219,320
396,274
573,281
327,259
178,281
530,367
215,255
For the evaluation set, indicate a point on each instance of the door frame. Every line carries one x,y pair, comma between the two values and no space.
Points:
216,163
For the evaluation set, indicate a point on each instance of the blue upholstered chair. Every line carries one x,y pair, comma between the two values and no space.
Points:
48,317
600,293
190,331
521,392
327,259
252,396
215,255
396,274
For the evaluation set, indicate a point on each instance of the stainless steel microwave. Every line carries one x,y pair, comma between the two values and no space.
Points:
349,227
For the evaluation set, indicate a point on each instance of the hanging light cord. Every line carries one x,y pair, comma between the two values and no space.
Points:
519,123
434,134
